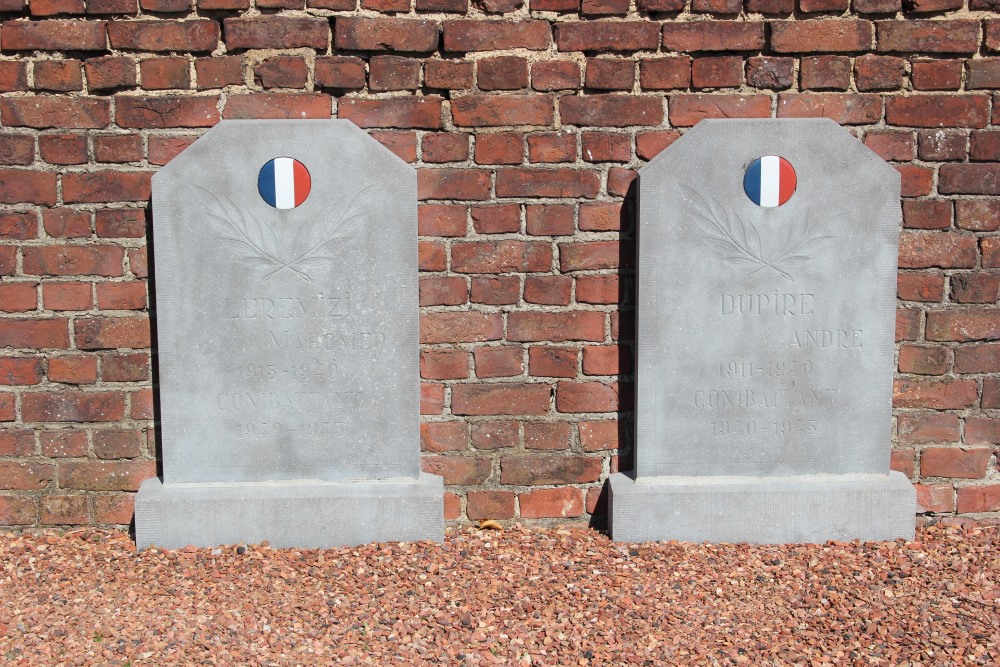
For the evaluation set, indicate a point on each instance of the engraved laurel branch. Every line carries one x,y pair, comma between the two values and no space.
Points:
257,244
739,242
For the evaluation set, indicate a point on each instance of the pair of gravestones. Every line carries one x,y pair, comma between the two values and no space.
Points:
286,297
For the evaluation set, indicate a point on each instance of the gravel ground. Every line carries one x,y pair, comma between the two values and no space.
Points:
522,596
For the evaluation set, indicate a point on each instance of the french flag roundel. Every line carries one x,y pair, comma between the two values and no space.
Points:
769,181
284,182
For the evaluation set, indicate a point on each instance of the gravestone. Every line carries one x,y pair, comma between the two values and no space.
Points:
766,312
285,256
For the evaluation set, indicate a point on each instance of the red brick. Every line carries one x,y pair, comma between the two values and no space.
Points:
969,179
877,6
448,75
958,36
28,187
461,470
717,72
541,469
453,184
100,260
935,498
20,371
471,35
973,499
552,361
716,6
873,72
607,36
983,358
940,145
686,109
445,147
934,394
278,105
500,257
605,147
405,112
917,428
548,435
431,256
605,360
24,476
611,110
985,145
166,111
502,219
444,364
609,74
844,108
936,74
982,431
8,260
991,393
974,288
455,6
120,223
551,503
344,72
589,255
17,149
460,327
54,7
498,362
73,369
63,148
441,220
444,436
18,226
555,327
938,111
771,73
649,144
166,6
539,182
276,32
194,35
386,34
825,73
907,323
894,145
598,436
18,510
105,475
112,6
922,6
222,71
963,325
983,74
936,249
547,75
500,399
112,332
281,72
18,297
923,360
713,36
504,148
59,112
402,144
393,73
53,35
604,7
106,186
73,406
109,72
954,462
117,509
431,398
13,75
495,435
587,397
495,290
601,216
162,149
598,289
121,296
549,290
117,367
977,215
549,220
67,296
552,147
670,73
118,148
17,443
483,505
502,73
920,287
821,35
113,444
58,75
502,110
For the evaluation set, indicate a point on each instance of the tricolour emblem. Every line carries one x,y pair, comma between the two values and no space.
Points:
284,182
769,181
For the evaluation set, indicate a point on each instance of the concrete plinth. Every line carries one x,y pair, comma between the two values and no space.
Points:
762,510
289,514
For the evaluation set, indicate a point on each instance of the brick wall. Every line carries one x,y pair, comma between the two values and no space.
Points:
526,120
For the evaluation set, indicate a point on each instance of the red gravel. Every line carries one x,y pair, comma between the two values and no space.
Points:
519,597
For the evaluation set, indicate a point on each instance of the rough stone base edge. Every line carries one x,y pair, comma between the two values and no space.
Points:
762,510
311,515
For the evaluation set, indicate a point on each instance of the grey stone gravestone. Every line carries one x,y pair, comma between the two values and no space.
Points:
285,278
765,340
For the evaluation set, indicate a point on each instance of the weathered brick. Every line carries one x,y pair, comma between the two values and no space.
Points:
53,35
166,111
386,34
973,499
500,399
22,186
936,74
500,257
460,327
915,36
608,36
461,470
106,186
610,110
552,361
555,326
978,179
278,105
934,394
821,35
194,35
695,36
276,32
453,184
494,362
502,110
444,436
539,469
45,112
105,475
936,249
551,503
73,406
686,109
963,325
844,108
938,110
954,462
483,505
471,35
918,428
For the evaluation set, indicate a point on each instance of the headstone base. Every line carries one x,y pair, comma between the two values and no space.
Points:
291,514
762,510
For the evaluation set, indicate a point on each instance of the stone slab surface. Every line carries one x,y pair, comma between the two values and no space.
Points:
763,510
287,339
766,335
298,515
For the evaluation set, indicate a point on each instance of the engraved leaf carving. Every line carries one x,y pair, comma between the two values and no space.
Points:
739,241
256,243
